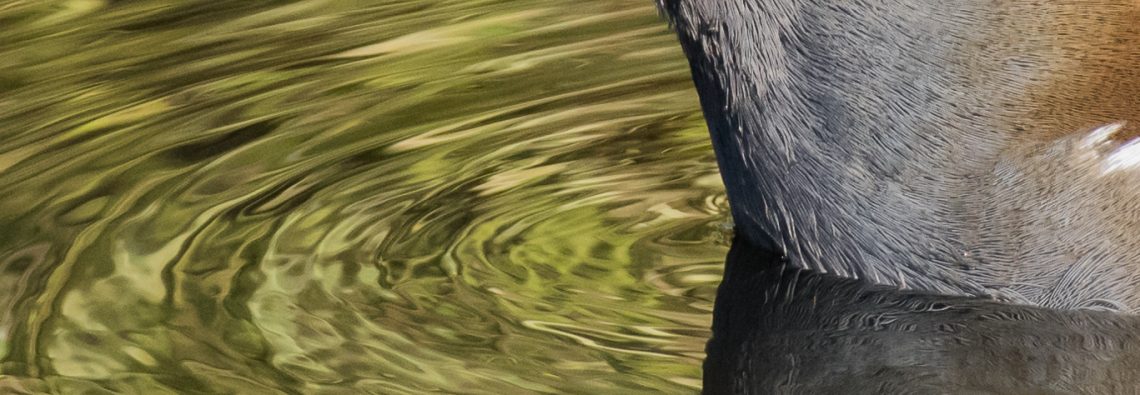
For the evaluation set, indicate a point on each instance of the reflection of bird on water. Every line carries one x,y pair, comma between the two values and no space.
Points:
777,329
952,148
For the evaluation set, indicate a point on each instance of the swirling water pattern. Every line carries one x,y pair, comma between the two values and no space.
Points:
352,197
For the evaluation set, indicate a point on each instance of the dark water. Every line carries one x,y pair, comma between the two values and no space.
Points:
352,197
781,330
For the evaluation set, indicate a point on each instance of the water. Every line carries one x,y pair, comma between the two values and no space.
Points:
352,197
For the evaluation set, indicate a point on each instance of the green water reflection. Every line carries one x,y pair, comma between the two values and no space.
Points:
352,197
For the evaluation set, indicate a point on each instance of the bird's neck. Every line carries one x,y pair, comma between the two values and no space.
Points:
861,138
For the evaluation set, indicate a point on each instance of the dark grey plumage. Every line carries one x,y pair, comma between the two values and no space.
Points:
955,147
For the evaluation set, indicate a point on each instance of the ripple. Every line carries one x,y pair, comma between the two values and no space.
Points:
406,197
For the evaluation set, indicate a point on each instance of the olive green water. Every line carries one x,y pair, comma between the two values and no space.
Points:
383,197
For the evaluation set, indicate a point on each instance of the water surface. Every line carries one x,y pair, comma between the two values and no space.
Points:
352,197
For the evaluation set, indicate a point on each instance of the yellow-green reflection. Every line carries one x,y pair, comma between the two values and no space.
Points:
351,196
